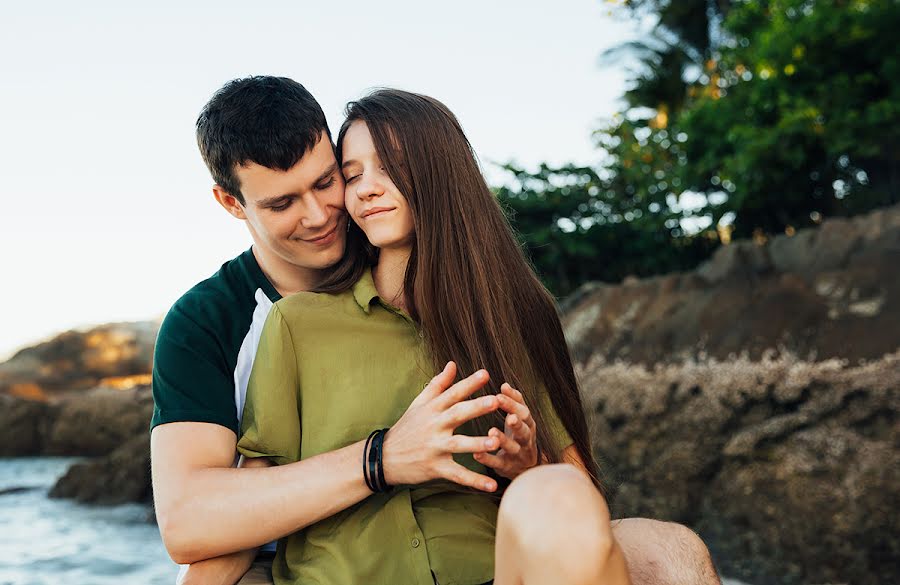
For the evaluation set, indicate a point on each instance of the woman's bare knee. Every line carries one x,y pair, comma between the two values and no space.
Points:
559,523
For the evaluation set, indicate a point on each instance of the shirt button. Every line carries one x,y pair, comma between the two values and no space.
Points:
415,543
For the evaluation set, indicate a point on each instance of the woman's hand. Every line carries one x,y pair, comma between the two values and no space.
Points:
518,440
420,446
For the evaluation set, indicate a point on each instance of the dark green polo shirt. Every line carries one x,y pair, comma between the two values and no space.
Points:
206,345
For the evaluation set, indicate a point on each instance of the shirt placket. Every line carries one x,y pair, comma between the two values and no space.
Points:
411,536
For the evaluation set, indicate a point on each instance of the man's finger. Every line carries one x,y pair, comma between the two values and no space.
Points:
466,410
463,476
442,381
462,389
466,444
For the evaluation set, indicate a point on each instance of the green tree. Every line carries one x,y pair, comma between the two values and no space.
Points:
743,117
798,117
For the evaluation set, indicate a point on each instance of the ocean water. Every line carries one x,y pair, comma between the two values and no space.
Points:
59,542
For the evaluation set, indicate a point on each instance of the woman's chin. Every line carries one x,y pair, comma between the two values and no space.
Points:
388,241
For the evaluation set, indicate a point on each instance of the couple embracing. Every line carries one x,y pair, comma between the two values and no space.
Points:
378,391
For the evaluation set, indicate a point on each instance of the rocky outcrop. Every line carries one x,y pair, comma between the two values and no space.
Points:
789,470
756,398
23,426
98,421
93,422
108,355
120,477
828,292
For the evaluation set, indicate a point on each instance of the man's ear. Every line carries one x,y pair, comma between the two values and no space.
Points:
229,202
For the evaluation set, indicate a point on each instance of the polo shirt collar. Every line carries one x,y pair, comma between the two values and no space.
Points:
364,290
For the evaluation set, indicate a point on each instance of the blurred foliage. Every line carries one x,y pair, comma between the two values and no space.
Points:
741,119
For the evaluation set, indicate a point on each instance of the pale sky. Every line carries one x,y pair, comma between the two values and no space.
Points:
107,210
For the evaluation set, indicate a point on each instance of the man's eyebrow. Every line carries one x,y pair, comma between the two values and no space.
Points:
273,200
329,171
277,198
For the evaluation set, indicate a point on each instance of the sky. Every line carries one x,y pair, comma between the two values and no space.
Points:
107,210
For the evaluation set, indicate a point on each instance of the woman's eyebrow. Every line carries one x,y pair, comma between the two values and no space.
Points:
347,163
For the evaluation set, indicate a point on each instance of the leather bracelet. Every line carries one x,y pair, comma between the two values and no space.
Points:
368,476
382,483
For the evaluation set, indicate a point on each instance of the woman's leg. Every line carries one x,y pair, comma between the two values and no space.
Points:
553,528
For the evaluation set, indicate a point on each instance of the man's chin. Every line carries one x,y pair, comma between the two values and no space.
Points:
326,260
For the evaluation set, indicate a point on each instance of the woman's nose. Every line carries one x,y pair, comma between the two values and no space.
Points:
368,187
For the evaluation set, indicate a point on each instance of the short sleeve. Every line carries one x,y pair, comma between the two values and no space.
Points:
555,426
192,380
270,425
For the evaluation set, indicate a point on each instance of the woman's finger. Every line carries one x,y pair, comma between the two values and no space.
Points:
507,389
463,476
519,431
518,408
495,462
507,443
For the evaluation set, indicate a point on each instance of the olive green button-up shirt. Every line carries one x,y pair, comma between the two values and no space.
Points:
328,371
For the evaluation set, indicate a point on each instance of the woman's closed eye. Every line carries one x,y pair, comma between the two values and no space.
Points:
351,178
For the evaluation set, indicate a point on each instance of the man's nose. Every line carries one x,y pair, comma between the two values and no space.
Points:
316,214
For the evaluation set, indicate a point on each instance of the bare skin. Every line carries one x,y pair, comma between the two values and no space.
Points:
203,510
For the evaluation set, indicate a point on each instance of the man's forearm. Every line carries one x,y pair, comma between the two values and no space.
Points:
216,511
224,570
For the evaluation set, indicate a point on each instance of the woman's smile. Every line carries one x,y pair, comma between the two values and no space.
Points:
376,212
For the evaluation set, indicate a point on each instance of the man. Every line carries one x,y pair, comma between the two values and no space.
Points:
269,150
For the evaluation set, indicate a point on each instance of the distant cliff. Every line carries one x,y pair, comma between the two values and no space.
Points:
115,355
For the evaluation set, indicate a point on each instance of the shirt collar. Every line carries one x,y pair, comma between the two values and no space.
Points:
364,290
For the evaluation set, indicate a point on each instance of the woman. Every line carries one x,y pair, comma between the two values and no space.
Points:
433,274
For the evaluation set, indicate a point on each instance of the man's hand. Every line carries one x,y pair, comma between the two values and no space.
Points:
420,446
518,440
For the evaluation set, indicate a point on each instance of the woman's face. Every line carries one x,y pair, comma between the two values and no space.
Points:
371,198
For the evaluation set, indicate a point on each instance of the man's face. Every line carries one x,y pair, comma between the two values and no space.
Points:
298,215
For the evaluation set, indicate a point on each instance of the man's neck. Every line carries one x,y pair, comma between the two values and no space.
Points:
287,278
388,275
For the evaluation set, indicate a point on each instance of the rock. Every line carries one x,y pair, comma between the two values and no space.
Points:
78,360
821,294
788,469
23,425
17,490
98,421
120,477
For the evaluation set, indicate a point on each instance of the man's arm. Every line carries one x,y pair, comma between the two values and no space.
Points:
227,569
206,508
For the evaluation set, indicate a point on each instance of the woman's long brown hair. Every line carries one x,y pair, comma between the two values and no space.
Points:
468,284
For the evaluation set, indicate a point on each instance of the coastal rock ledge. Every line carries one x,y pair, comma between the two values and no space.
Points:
755,399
